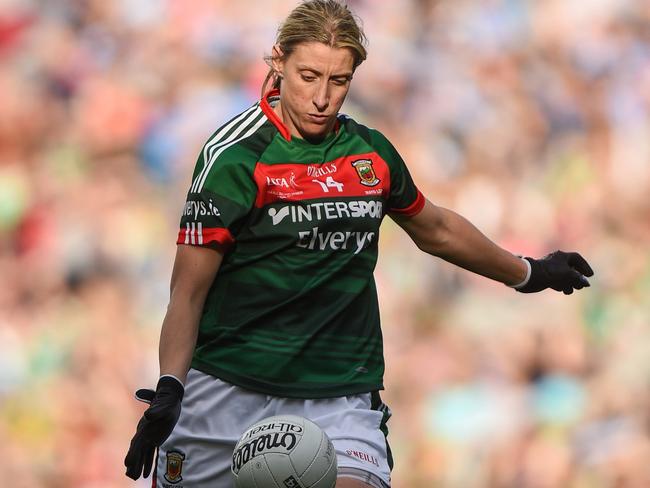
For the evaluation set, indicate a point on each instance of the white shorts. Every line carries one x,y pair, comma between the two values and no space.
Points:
198,453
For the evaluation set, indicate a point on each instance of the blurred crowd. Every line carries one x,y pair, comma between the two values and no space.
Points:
529,117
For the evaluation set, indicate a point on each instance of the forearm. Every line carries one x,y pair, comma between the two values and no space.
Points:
459,242
448,235
193,274
178,338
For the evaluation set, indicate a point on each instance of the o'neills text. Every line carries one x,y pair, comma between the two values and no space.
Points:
260,444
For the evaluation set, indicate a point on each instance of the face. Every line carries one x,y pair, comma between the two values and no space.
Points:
315,80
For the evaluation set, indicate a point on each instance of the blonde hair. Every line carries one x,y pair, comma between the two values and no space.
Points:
327,21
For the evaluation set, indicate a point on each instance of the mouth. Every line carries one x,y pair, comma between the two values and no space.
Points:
318,119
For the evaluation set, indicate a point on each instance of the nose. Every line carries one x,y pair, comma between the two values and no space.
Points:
321,97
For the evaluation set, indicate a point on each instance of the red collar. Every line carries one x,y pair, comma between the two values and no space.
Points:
272,116
275,120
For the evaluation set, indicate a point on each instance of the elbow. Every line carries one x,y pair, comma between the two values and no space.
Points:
434,245
437,240
431,230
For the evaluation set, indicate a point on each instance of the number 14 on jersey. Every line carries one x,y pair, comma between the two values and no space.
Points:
329,183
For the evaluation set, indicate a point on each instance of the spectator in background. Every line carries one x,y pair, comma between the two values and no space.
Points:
549,95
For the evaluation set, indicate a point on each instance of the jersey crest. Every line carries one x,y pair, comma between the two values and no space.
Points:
366,172
174,470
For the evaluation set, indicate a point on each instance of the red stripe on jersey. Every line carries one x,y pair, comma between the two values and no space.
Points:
195,235
412,209
154,475
360,175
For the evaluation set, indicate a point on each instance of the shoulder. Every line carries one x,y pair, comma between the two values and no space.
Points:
245,131
241,139
372,136
234,147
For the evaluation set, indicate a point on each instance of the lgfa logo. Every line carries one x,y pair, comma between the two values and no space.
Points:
282,182
277,182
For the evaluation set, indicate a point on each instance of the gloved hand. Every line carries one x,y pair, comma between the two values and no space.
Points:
156,424
562,271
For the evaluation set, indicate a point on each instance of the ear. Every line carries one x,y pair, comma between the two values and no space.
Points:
276,59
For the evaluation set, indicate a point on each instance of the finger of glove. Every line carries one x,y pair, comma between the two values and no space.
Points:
145,395
578,281
579,263
134,461
148,462
574,281
134,469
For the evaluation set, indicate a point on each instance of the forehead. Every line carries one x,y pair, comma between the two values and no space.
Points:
321,57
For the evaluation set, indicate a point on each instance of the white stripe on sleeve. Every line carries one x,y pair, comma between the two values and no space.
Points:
204,176
216,143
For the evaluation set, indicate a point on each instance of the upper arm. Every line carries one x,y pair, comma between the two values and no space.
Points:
195,269
406,204
219,200
425,227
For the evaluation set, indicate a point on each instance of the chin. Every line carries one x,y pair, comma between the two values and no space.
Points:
315,132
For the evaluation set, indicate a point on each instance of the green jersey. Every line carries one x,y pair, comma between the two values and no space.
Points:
293,309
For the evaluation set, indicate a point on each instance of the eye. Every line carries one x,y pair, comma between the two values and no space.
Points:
340,81
308,77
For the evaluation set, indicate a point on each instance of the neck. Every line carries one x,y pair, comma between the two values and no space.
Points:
285,118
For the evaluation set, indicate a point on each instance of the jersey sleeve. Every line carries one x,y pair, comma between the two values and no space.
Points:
222,193
405,198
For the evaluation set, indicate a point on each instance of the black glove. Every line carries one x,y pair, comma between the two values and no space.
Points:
155,425
562,271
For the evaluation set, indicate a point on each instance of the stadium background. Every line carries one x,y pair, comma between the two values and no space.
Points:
531,118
